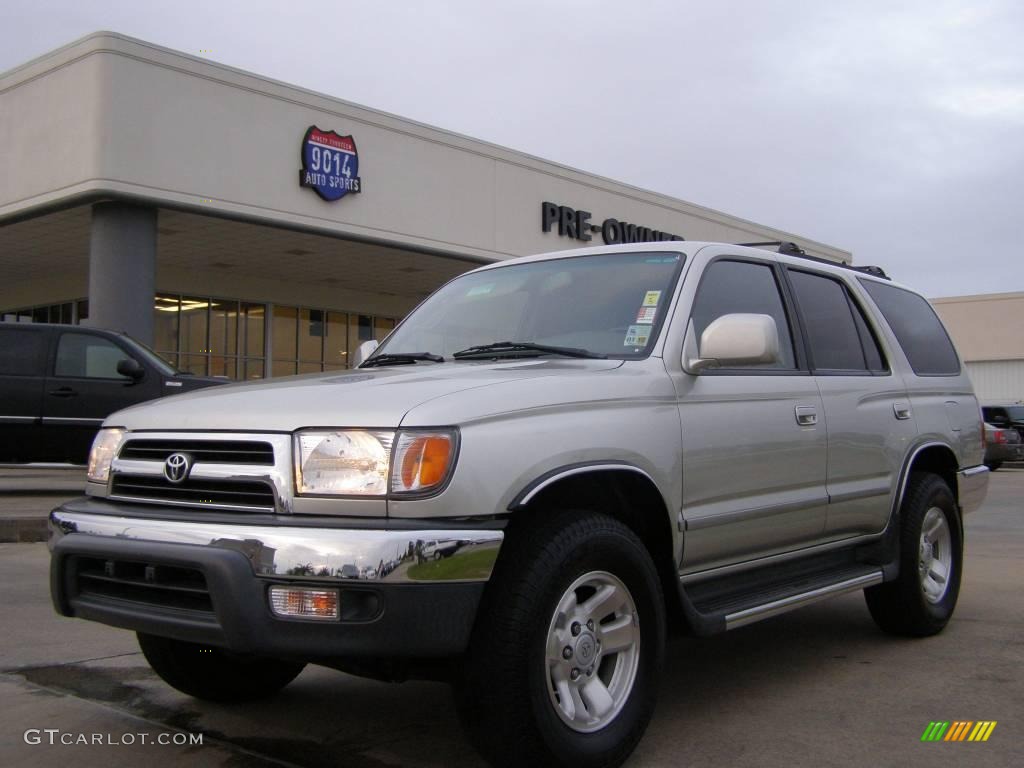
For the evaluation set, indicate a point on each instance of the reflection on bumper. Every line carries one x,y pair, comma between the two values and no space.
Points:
973,487
332,554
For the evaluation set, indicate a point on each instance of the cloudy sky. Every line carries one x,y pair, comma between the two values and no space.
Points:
894,130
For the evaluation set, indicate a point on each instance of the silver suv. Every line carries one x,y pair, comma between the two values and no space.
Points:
547,464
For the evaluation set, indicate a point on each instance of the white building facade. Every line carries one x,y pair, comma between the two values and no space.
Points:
248,228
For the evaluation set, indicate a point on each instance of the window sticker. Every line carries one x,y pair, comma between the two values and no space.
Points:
646,315
480,290
651,298
637,336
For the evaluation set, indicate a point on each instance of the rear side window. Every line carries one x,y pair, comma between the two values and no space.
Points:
838,335
917,328
729,287
21,352
84,356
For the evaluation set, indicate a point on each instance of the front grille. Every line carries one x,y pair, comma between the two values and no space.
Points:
165,586
201,451
254,494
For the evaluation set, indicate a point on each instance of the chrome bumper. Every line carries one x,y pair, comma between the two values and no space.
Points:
329,554
973,487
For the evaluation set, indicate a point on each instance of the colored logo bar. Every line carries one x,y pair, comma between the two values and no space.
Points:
959,730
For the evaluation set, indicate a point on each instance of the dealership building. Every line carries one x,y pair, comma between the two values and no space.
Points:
988,330
245,227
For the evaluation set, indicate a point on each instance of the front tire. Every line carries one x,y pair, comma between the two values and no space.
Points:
215,674
565,660
921,600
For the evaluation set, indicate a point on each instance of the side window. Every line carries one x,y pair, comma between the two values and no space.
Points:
996,416
872,350
917,329
21,352
836,331
729,287
85,356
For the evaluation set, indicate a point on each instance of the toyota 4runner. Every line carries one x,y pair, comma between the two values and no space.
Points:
549,463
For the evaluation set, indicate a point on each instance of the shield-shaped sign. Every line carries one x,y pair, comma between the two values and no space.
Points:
330,164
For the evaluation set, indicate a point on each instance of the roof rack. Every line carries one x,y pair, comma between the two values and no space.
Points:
789,248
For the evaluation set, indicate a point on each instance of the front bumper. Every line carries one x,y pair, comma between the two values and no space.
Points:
208,581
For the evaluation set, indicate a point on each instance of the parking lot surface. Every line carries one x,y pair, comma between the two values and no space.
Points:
817,687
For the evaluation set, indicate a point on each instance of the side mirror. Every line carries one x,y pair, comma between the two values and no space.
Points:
736,340
364,351
130,368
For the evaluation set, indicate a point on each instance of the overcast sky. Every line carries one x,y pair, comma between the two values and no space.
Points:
891,129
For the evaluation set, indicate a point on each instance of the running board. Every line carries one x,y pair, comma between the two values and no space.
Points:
792,602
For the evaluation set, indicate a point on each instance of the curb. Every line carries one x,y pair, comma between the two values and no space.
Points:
22,530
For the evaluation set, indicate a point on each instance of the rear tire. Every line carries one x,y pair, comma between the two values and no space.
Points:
575,603
215,674
921,600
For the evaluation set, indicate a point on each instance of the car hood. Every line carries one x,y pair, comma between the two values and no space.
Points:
370,397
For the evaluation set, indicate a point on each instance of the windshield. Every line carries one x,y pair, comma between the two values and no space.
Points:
609,304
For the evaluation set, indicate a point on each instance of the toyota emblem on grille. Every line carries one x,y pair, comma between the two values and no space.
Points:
177,467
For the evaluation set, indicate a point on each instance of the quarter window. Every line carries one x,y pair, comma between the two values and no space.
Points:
729,287
917,328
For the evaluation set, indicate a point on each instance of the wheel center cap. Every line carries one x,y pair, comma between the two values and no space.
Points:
586,648
926,551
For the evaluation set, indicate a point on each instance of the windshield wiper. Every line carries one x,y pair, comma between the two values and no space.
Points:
401,358
511,348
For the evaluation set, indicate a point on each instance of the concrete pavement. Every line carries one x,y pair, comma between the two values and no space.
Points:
29,492
817,687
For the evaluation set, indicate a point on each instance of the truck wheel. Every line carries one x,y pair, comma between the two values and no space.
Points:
566,656
921,600
214,674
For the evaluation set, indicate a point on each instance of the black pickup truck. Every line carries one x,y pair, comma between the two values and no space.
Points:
58,383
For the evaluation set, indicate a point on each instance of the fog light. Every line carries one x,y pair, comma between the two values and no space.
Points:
303,603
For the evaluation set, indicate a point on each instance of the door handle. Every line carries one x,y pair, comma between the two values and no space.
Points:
64,392
901,411
806,415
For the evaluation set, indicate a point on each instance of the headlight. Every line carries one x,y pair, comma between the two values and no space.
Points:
104,446
355,462
343,462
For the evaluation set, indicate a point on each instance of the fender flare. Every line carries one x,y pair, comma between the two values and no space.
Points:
527,494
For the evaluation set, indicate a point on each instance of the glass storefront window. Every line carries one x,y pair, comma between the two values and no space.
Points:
223,337
227,337
336,341
252,327
223,328
284,331
251,369
282,368
194,336
382,326
360,329
311,340
63,313
165,328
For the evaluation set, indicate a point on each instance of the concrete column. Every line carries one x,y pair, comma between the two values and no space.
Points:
122,269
